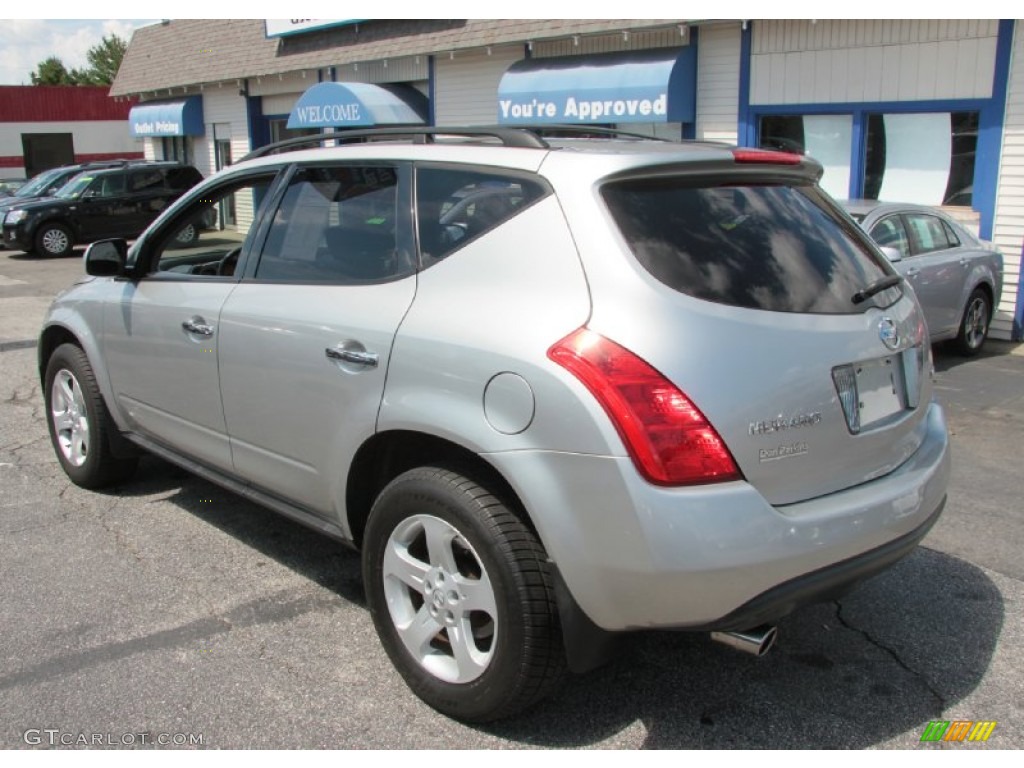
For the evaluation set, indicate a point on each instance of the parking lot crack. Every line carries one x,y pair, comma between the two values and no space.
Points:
892,653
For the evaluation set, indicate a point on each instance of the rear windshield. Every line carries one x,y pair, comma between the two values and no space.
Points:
778,248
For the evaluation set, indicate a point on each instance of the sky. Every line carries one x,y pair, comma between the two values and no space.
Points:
26,42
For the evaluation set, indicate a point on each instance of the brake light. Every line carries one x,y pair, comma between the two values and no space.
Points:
668,438
768,156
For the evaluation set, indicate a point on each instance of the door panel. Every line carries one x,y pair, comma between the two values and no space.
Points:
295,415
935,272
306,338
165,375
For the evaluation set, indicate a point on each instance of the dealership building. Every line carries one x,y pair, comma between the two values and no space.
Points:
928,112
44,126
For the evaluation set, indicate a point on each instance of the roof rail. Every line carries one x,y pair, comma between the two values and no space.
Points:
420,134
547,130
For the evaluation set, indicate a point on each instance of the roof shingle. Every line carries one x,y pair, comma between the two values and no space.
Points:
187,52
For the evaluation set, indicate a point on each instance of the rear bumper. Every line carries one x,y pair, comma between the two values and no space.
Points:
635,556
829,583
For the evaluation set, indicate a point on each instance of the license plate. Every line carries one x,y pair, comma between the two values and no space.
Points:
880,388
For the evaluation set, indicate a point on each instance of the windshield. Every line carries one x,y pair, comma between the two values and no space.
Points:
76,187
38,185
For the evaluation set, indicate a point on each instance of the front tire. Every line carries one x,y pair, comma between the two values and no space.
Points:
974,324
54,240
80,426
462,596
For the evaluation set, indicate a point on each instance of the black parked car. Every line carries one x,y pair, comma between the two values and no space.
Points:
97,204
46,183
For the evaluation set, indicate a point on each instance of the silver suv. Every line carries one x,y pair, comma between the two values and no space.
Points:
553,389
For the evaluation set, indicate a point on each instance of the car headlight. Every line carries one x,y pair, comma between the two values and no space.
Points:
13,217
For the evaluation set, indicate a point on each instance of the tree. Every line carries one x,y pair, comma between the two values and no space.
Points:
51,71
104,61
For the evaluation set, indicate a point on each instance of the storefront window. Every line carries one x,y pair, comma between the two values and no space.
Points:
921,158
279,130
177,148
826,138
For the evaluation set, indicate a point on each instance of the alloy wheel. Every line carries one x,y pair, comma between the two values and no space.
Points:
440,599
70,418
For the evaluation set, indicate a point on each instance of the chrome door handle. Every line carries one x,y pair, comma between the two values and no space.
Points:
197,326
352,356
912,272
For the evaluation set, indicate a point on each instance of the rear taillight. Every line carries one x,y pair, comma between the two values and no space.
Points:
772,157
668,438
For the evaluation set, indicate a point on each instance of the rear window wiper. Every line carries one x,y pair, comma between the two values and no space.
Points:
876,287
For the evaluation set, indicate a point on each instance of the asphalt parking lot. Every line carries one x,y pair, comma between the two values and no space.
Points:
171,613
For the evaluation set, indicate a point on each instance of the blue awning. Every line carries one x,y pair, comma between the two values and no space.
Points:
183,117
349,105
653,86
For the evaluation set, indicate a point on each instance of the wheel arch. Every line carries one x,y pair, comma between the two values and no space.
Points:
66,327
388,454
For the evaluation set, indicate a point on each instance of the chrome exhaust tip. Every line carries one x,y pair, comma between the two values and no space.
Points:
757,641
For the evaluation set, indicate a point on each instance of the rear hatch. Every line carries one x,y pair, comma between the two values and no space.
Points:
775,316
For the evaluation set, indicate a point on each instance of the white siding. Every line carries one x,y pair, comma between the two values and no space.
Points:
222,105
635,41
466,87
833,61
1009,221
718,82
226,109
401,70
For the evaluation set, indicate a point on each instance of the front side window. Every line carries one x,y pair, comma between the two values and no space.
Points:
198,240
777,248
890,232
454,207
337,225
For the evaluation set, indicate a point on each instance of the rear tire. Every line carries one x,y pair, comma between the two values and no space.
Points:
462,596
54,240
974,324
79,423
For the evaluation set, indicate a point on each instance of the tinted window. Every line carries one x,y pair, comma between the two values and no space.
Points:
143,181
454,207
336,225
776,248
890,232
180,179
107,185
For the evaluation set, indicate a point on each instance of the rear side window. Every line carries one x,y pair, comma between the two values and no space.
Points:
929,232
146,181
777,248
456,206
180,179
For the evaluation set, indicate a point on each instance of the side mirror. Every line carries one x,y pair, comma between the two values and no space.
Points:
106,258
892,254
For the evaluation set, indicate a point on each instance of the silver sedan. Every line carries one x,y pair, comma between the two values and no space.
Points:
957,277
